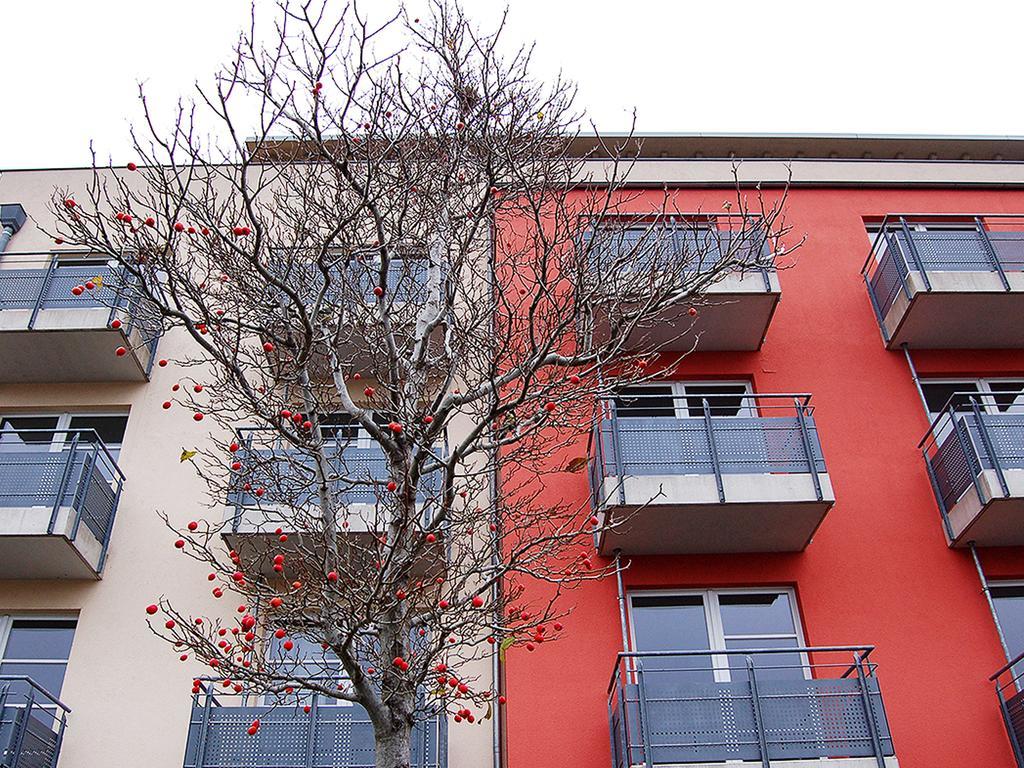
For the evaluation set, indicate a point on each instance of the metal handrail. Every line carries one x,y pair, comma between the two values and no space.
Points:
33,684
1007,666
97,443
864,652
947,409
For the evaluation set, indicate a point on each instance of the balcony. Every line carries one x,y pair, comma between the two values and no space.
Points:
940,281
326,737
974,454
58,496
734,311
805,706
32,724
288,477
716,474
49,334
1009,682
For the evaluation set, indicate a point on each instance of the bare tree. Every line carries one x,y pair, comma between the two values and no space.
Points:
401,290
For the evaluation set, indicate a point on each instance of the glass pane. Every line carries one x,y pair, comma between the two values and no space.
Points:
49,676
1008,397
306,659
109,428
757,614
338,426
23,430
645,401
672,624
40,639
767,666
938,394
723,399
1009,603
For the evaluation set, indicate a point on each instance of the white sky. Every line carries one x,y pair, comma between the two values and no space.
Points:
69,68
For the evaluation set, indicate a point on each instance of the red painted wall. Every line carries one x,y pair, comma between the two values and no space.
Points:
878,571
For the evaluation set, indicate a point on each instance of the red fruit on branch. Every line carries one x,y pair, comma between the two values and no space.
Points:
121,351
285,413
248,621
162,363
288,645
197,417
502,699
218,592
151,609
268,347
233,447
557,627
477,601
279,634
166,404
115,323
89,285
332,576
193,525
549,407
428,419
431,538
276,602
400,594
395,427
693,311
368,391
170,624
443,604
392,485
180,543
378,291
574,379
236,465
191,230
132,167
442,667
150,221
78,290
278,559
211,577
179,227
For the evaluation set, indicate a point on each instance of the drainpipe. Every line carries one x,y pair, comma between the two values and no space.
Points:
914,376
622,600
988,598
12,217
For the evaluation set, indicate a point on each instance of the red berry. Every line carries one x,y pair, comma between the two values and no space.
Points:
428,419
693,311
549,407
268,347
431,538
151,609
150,221
236,465
78,290
233,447
197,417
120,351
90,285
443,604
558,627
574,379
378,291
287,645
395,427
276,602
368,391
170,624
115,323
132,167
193,525
180,543
179,227
392,485
332,576
162,363
477,601
167,404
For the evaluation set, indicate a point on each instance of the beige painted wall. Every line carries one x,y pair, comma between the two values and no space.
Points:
129,694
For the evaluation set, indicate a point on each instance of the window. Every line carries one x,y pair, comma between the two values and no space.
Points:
686,399
307,659
994,395
59,429
38,648
717,620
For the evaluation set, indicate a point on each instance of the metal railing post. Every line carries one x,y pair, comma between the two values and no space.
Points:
81,492
60,739
47,279
64,480
990,249
19,740
877,309
912,247
938,495
713,449
110,525
617,453
204,727
314,713
812,460
989,448
641,706
755,703
869,711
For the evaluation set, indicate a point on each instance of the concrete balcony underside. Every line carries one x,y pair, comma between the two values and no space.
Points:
996,521
682,514
29,551
733,315
68,345
963,310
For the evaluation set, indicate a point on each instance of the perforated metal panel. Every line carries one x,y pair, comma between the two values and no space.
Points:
327,737
716,721
889,276
955,468
665,445
1014,708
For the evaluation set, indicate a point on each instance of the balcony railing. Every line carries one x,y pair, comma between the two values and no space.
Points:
974,454
760,705
32,723
62,483
956,255
1009,682
36,288
288,477
328,736
630,254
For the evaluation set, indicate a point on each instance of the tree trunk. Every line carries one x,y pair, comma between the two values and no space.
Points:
394,746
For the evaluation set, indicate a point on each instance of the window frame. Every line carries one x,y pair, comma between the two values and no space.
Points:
985,392
60,431
679,396
7,621
717,639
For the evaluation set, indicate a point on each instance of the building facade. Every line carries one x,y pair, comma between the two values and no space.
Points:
838,472
820,490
